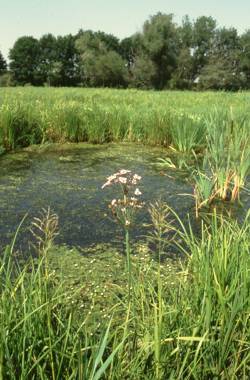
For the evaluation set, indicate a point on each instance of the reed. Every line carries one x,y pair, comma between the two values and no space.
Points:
226,163
190,323
177,119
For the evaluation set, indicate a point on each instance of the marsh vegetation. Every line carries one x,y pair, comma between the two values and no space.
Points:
163,293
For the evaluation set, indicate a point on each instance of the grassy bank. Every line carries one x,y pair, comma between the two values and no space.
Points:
180,119
67,316
208,132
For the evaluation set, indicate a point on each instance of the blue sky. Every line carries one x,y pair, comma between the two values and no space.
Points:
119,17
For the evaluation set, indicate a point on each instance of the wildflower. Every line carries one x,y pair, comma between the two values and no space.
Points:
122,180
123,171
137,191
108,183
111,178
137,177
123,209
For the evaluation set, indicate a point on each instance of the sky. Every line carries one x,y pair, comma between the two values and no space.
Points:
119,17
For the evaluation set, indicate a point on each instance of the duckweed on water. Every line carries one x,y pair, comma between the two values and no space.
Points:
96,277
36,179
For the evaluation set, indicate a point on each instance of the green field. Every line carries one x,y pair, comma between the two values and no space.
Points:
102,313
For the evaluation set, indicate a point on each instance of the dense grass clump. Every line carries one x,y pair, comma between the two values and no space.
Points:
67,316
39,115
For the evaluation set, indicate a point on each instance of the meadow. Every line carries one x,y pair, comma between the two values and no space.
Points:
134,313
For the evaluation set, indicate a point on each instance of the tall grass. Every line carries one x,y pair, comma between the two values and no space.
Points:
226,161
194,326
211,125
39,115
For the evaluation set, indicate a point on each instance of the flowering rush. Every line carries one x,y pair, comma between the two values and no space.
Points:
123,209
124,177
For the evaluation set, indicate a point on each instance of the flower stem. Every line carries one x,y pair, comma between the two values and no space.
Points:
128,262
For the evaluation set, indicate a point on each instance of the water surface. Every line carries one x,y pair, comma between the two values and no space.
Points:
70,180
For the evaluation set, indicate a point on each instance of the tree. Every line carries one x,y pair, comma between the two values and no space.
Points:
24,60
127,51
104,70
163,55
111,42
143,72
183,76
47,60
185,32
219,74
245,57
110,70
69,59
203,37
100,64
58,61
160,44
3,64
222,70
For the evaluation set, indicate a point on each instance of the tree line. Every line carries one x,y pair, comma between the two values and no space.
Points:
163,55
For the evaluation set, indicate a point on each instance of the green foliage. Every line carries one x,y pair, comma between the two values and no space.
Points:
163,55
68,319
223,70
177,119
160,44
3,64
182,77
49,71
143,72
24,58
102,65
6,80
226,161
50,61
203,36
245,57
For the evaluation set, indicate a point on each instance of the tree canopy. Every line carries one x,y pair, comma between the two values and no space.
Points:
3,64
196,54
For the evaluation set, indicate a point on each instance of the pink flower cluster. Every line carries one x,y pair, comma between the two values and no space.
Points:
123,204
123,177
123,209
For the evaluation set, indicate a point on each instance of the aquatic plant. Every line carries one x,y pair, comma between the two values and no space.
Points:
226,162
123,209
39,335
161,226
192,322
178,119
45,228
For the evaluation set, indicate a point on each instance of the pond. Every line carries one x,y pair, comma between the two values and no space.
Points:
68,178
